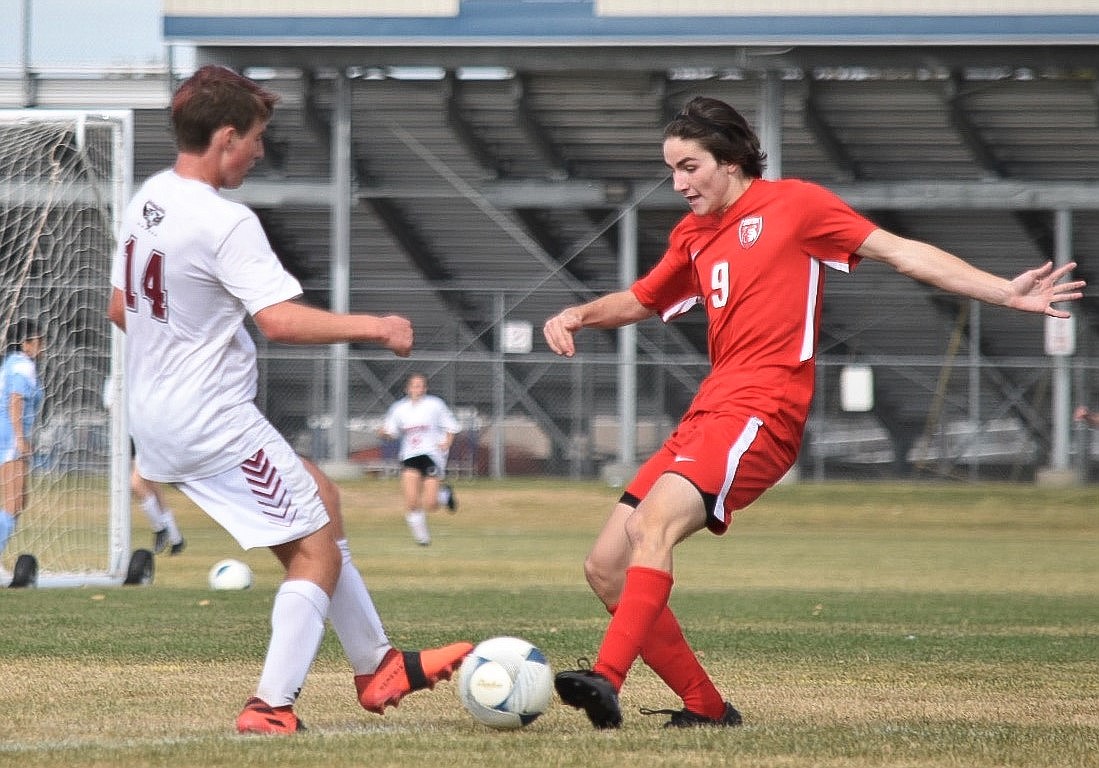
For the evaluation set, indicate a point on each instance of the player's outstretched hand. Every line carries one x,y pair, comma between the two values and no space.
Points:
1037,289
559,331
398,336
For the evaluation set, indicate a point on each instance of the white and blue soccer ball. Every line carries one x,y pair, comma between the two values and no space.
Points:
505,683
230,574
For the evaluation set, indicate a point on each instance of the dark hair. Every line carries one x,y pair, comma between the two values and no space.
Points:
722,131
22,331
214,97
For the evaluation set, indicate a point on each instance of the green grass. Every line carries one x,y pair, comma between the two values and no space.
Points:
853,625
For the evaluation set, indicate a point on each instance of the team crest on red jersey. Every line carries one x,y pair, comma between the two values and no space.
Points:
750,229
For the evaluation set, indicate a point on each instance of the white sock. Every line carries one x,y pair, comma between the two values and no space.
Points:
297,626
417,523
174,536
153,512
355,618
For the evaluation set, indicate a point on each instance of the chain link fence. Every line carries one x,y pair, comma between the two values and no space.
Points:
534,413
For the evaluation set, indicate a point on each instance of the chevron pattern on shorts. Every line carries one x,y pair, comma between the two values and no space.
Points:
266,484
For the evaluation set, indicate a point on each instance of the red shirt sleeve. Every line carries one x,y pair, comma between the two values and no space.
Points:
833,232
671,287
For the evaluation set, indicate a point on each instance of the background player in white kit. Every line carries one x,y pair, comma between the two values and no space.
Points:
426,428
166,533
190,265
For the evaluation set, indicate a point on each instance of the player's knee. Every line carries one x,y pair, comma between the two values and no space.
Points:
649,533
603,579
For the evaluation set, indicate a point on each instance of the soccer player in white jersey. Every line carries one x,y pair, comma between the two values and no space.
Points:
190,265
426,428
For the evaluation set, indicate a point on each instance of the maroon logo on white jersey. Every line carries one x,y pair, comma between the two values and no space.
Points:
266,484
152,213
751,227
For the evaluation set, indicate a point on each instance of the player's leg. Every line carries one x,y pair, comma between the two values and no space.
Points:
271,500
755,461
665,649
605,565
383,674
412,480
446,497
151,498
672,511
297,628
430,494
13,477
16,481
352,611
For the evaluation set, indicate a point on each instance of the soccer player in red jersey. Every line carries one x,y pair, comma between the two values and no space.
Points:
753,253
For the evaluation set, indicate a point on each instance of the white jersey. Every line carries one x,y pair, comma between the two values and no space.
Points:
422,425
191,263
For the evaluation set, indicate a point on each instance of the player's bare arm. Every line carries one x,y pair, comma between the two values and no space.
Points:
290,322
15,415
611,311
1035,290
116,309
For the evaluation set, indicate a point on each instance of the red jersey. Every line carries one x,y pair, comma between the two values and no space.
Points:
757,268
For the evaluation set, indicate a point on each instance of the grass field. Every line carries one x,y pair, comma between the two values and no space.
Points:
853,625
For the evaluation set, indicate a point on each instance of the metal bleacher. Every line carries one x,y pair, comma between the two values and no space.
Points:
445,229
430,241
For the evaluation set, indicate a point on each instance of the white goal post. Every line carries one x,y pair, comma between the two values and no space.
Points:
65,176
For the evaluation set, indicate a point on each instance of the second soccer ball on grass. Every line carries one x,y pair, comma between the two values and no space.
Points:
230,574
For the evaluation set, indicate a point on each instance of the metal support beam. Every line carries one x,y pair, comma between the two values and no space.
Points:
968,131
537,135
1062,384
826,137
340,223
974,385
595,194
627,346
29,85
497,465
770,123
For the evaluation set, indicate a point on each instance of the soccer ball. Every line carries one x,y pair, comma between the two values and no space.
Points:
505,683
230,574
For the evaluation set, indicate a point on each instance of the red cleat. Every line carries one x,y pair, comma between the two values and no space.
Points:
402,672
260,717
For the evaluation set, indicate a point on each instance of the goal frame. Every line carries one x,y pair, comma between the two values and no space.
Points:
119,561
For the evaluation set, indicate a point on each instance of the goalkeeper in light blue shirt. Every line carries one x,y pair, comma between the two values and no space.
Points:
20,401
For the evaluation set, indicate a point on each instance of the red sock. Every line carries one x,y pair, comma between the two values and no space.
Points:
644,595
667,653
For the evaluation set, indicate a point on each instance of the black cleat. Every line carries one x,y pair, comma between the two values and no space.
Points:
591,692
160,540
685,718
178,547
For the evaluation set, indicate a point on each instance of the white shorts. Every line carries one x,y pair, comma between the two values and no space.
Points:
269,499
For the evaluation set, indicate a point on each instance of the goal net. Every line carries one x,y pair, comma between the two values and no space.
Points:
64,177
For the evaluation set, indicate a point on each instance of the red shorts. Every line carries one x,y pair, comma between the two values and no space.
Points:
730,459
